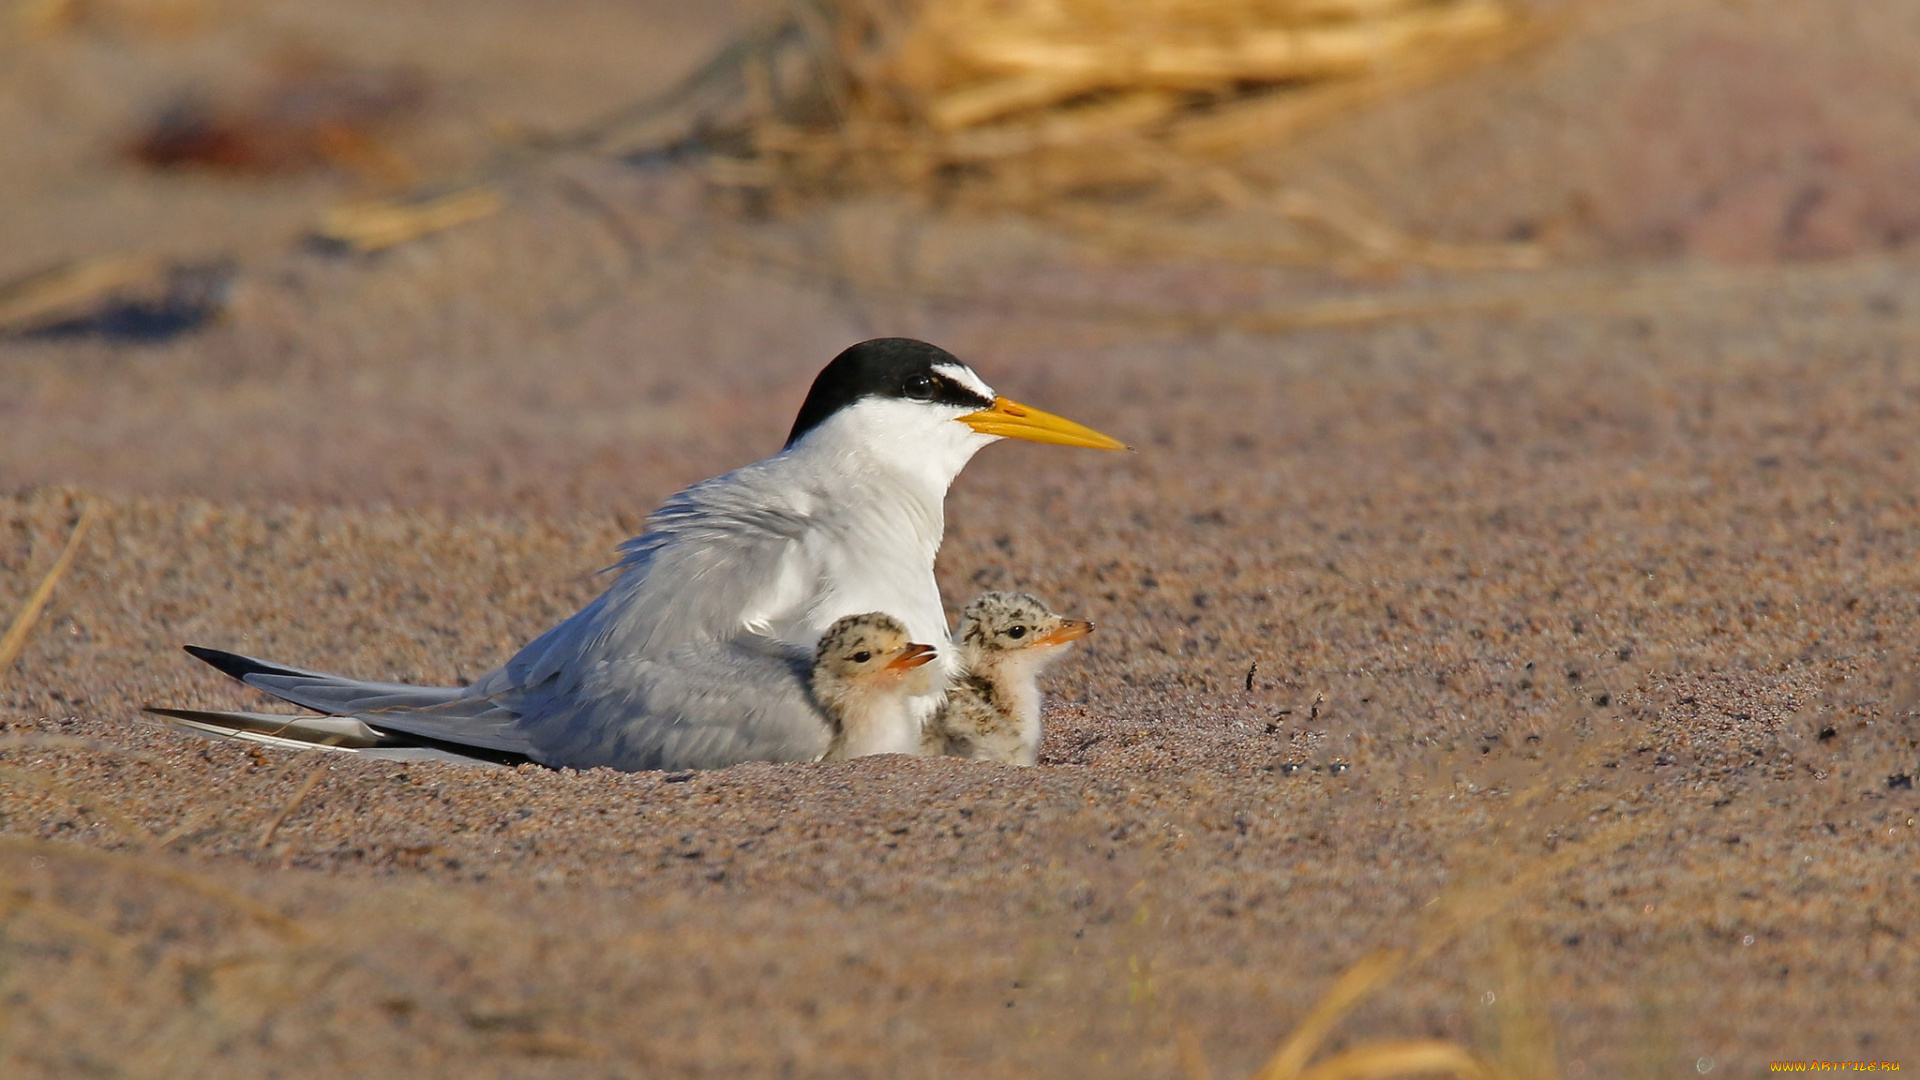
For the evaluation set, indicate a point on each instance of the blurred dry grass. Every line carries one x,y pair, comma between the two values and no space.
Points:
161,18
1119,122
1025,102
1113,118
1557,808
1116,120
57,292
376,225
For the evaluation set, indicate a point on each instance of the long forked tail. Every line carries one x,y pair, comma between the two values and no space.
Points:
433,717
337,734
321,692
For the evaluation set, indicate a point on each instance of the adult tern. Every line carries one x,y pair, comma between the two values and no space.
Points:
863,678
992,712
696,655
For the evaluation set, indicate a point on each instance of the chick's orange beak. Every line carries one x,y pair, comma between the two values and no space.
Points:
913,656
1012,420
1070,630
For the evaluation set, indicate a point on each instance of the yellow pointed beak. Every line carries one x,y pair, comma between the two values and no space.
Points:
1012,420
912,656
1070,630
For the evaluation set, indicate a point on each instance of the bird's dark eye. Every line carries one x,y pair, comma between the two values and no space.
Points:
919,388
1017,633
862,656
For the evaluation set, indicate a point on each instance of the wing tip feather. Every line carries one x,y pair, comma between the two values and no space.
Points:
234,664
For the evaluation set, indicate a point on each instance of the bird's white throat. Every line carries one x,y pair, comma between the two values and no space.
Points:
873,481
881,719
923,443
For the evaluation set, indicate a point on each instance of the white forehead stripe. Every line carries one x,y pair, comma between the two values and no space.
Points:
964,375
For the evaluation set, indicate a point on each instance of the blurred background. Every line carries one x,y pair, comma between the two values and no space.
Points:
1523,389
474,253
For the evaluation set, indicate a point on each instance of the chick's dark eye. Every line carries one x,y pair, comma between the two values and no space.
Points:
1017,633
919,388
862,656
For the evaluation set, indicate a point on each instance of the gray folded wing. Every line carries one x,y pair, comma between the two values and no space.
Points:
666,669
699,706
710,555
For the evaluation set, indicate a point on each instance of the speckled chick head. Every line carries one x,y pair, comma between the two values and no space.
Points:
868,649
999,626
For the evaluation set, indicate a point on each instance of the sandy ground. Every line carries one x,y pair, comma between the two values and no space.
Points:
1592,590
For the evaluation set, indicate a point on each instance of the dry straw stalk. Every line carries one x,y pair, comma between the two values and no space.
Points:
32,302
368,227
16,636
1010,56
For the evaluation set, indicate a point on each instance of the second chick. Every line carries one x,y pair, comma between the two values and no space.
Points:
992,711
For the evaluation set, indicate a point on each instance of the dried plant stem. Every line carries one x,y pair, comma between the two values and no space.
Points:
34,300
1276,115
16,636
299,796
1276,54
1360,980
1457,911
375,226
188,825
1193,1061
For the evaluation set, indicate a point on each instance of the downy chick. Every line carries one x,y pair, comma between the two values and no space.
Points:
992,712
866,673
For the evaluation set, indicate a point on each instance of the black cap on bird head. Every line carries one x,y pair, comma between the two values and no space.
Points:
885,368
